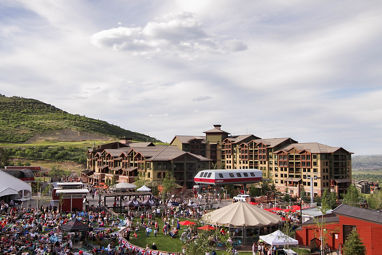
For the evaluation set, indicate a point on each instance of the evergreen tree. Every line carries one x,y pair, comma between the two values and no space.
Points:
374,201
354,245
168,184
352,196
4,157
330,199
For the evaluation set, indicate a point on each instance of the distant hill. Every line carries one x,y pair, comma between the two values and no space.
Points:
367,162
25,120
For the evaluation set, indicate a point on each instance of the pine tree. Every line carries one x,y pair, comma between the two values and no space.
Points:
353,244
352,196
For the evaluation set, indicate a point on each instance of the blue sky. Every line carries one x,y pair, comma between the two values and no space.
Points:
310,70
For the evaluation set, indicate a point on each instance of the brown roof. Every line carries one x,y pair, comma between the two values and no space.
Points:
188,138
164,152
116,152
311,147
272,142
359,213
240,138
216,129
142,144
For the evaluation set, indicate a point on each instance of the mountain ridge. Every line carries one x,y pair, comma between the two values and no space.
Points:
28,119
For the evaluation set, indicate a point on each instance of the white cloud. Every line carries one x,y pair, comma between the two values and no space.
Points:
176,34
310,71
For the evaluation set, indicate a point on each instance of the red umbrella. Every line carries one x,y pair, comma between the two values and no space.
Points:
186,223
206,227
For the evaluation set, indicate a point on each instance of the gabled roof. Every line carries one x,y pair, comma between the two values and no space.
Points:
359,213
116,152
188,138
328,218
240,138
311,147
141,144
272,142
164,153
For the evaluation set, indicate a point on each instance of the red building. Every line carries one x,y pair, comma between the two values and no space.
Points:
338,226
72,195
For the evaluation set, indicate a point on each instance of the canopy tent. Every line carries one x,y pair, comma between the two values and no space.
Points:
187,223
125,185
248,220
241,214
278,238
206,227
12,186
74,226
144,188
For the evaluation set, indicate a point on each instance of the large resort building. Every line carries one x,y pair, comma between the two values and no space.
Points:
292,166
125,161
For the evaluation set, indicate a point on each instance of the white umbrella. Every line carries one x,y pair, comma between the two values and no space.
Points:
144,188
125,185
278,238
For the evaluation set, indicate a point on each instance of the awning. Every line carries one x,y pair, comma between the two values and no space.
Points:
293,179
342,180
130,169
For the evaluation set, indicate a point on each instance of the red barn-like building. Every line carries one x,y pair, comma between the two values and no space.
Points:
72,194
338,225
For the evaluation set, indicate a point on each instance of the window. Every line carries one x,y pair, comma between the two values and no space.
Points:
201,174
245,174
315,184
231,175
238,174
209,175
159,175
314,156
252,174
221,175
148,175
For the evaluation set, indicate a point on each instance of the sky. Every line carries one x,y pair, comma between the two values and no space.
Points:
309,70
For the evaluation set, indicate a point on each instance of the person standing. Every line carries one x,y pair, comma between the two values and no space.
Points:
254,248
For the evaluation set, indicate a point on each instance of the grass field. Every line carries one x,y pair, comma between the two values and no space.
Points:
80,144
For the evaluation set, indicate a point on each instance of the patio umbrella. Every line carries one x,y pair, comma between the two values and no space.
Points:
74,226
186,223
206,227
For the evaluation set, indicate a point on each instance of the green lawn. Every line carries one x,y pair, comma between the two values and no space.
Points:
163,242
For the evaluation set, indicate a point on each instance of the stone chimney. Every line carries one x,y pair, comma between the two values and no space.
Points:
125,140
218,126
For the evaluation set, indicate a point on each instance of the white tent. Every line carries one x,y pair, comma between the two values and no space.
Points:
241,214
10,185
125,185
278,238
144,188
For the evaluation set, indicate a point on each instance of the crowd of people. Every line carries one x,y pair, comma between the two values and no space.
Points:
38,231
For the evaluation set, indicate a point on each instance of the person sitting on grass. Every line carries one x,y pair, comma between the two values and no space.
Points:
173,233
154,247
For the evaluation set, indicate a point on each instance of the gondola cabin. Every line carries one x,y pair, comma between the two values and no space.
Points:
225,176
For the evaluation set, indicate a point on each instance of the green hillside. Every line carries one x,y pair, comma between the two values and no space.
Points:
22,119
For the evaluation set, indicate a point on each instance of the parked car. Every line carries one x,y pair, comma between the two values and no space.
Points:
241,197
